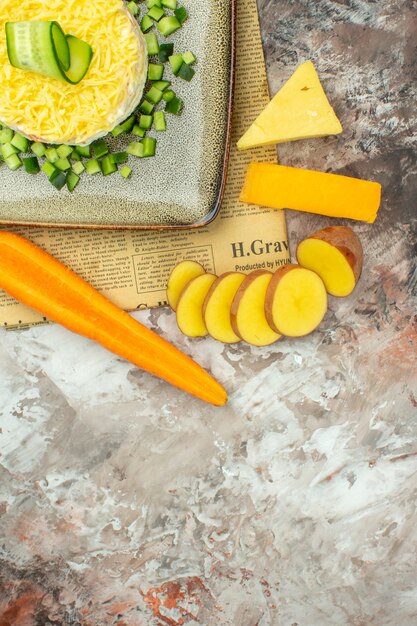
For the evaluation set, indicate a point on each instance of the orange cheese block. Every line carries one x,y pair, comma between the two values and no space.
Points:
281,187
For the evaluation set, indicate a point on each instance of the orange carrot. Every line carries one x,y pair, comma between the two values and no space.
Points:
37,279
281,187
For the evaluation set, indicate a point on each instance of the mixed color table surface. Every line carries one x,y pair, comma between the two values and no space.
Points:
124,502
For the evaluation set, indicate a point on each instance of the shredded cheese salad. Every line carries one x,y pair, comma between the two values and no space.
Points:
53,111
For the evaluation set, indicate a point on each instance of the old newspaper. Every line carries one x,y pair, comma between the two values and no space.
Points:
131,267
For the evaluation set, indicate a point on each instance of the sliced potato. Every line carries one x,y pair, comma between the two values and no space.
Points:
217,305
336,255
180,277
190,306
296,301
248,310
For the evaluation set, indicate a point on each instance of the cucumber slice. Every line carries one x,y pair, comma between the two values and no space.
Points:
92,167
125,171
38,148
58,179
145,121
100,148
174,106
165,51
120,157
31,165
168,25
154,95
108,166
20,142
135,149
156,13
186,72
138,131
6,135
168,95
43,47
175,62
159,121
155,71
63,165
72,181
152,44
48,168
83,151
181,14
7,150
78,168
64,151
149,146
161,84
13,162
146,107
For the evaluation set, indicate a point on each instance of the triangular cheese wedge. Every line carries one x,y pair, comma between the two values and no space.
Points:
298,111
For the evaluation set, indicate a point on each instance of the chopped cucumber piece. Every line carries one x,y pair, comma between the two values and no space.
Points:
92,167
20,142
72,181
168,95
149,146
64,151
165,51
75,156
175,61
159,121
154,95
58,179
125,127
186,72
181,14
78,168
145,121
138,131
155,71
169,4
7,150
6,135
108,165
146,23
31,165
120,157
38,148
63,164
135,149
146,107
125,171
168,25
152,44
133,8
84,151
13,162
189,58
156,13
100,148
174,106
161,84
153,3
52,155
48,168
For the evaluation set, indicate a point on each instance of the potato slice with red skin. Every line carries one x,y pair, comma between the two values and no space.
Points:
296,301
336,255
217,305
190,306
180,276
248,310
